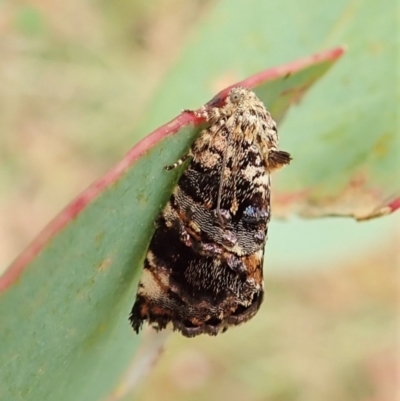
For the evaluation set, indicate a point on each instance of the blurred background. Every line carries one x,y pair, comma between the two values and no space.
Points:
76,82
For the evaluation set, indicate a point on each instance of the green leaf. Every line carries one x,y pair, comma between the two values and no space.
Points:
64,302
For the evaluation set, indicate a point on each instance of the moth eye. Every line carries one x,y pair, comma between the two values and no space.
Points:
235,97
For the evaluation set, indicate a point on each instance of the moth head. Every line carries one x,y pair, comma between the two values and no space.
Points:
237,95
232,99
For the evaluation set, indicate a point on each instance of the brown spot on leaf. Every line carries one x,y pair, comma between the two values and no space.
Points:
104,264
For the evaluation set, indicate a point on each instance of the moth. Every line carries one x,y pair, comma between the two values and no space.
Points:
204,266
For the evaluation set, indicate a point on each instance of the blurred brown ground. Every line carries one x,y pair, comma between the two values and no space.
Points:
74,77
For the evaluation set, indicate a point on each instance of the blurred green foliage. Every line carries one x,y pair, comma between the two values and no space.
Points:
77,79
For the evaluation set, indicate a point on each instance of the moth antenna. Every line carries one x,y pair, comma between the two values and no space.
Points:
221,179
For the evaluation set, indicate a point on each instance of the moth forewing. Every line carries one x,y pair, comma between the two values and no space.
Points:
203,270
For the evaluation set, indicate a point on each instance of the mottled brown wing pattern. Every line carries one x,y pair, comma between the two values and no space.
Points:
203,269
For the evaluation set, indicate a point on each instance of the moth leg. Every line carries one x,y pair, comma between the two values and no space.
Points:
277,159
178,163
194,112
201,113
210,114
